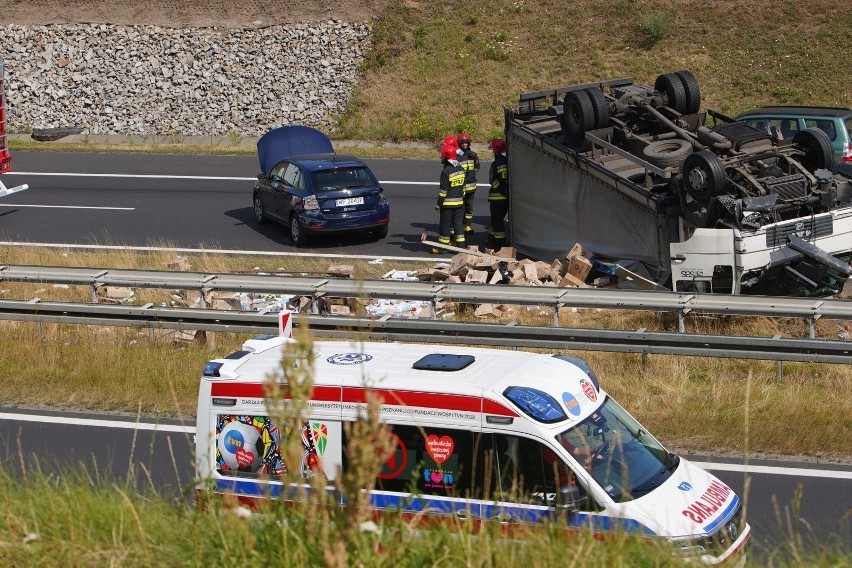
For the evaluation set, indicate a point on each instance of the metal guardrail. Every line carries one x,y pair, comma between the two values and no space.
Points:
640,341
682,304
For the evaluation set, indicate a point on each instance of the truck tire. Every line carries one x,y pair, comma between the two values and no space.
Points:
703,175
672,86
693,94
578,117
600,105
817,148
667,153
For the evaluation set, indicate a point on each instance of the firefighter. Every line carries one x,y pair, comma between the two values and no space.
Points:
498,194
469,161
450,199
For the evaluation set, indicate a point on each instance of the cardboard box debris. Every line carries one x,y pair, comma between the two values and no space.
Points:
577,250
487,310
341,270
580,267
180,263
476,276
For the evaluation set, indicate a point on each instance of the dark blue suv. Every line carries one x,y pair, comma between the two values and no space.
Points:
309,188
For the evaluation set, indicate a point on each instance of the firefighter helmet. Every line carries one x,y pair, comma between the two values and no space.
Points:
450,141
448,152
498,145
464,137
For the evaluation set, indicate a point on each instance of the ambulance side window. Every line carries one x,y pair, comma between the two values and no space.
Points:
523,470
430,461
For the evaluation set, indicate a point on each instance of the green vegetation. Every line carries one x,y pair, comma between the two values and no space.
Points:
434,65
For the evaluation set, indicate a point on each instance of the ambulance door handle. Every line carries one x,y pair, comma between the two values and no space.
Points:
504,518
465,515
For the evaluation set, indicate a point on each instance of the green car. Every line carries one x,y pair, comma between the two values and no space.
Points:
786,121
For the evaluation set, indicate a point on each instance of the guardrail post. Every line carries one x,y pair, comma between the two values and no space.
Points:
779,365
812,325
96,285
681,316
555,322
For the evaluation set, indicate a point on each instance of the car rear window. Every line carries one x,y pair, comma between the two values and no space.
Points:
824,124
343,178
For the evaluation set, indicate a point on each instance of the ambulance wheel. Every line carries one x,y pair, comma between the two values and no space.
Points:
667,153
693,93
259,213
578,117
703,175
817,148
600,106
672,86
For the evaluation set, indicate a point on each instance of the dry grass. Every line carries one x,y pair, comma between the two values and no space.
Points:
693,403
438,67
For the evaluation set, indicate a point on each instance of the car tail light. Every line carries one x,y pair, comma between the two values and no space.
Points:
310,203
847,152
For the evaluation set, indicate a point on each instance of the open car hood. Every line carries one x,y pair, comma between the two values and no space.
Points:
288,141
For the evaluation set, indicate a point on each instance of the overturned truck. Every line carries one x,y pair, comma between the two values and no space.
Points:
699,202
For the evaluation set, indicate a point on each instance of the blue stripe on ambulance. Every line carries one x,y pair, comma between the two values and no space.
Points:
448,505
724,516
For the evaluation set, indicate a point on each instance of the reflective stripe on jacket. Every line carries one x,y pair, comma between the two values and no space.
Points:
469,161
499,178
451,192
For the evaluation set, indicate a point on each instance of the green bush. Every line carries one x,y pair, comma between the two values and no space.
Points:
655,26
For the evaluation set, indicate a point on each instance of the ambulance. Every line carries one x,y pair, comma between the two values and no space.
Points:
478,435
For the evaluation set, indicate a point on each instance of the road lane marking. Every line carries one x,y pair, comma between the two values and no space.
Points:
776,470
200,178
97,423
4,204
750,468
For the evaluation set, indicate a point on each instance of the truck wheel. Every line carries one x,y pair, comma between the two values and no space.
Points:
703,175
578,117
297,233
667,153
817,148
693,94
672,86
259,214
600,105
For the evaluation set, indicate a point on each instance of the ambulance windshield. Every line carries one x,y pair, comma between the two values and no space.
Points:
621,456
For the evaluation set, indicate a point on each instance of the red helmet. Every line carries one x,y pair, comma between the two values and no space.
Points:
450,141
448,152
498,145
464,137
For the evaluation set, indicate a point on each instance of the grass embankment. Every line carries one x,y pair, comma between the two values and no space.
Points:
698,404
440,67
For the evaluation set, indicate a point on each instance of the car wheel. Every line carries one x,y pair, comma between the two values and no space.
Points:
297,232
259,214
703,175
672,86
818,153
600,105
667,153
578,117
381,232
693,94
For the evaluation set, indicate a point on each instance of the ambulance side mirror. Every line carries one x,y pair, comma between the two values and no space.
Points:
569,500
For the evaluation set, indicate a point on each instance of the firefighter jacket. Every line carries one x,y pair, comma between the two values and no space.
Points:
499,178
469,161
451,192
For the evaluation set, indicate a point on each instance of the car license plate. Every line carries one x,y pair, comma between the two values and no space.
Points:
350,201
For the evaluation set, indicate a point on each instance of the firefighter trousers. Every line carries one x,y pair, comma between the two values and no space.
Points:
451,225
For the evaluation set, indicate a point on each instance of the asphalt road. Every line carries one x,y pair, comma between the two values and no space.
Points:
198,202
64,442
